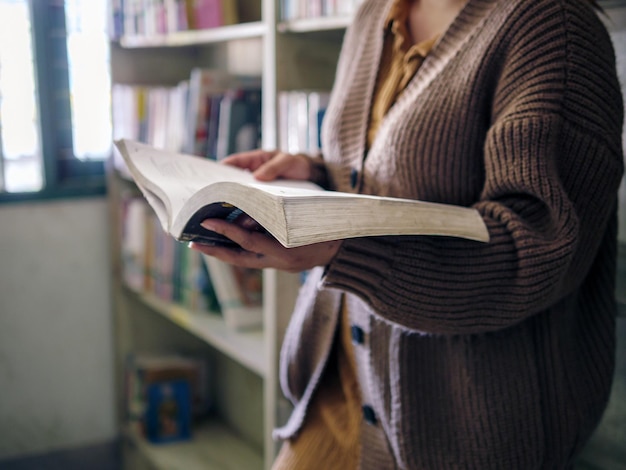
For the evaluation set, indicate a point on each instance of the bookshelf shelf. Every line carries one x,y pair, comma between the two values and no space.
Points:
197,37
308,25
213,446
245,347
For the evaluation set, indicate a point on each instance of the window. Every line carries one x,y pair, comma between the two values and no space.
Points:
55,124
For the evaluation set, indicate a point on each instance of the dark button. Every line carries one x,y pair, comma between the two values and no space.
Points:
358,336
354,178
368,415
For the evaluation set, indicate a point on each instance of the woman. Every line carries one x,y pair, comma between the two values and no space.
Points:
434,352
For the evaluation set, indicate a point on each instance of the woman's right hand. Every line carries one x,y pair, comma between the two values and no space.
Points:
271,165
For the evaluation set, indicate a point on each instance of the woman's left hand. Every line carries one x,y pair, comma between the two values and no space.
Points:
261,250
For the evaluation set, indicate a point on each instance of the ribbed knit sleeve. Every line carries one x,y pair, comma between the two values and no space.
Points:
542,164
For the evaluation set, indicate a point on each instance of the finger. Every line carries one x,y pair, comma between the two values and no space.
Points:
237,257
284,165
252,241
250,160
248,223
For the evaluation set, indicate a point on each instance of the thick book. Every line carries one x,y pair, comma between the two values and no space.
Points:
184,190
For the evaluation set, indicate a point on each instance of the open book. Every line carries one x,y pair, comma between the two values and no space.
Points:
184,190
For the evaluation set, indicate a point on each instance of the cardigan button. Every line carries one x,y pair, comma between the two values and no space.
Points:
369,415
354,178
358,336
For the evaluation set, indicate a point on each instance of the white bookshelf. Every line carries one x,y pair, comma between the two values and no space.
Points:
245,347
248,405
214,447
197,37
287,55
308,25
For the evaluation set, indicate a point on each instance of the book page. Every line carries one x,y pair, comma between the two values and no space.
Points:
180,176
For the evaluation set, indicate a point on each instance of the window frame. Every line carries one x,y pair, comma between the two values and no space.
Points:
64,175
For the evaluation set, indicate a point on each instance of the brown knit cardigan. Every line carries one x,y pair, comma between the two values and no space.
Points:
481,356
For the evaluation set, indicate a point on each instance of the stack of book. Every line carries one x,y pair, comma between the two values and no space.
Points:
211,114
223,113
155,263
152,262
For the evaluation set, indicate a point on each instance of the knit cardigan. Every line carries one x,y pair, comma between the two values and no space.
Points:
474,355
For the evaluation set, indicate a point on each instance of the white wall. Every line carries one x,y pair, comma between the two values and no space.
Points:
56,354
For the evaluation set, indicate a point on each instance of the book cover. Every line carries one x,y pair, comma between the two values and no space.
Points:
239,293
208,14
168,411
143,370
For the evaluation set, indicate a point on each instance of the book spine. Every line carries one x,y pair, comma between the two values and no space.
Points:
300,114
283,121
208,14
213,125
134,211
317,103
230,13
115,24
238,292
239,127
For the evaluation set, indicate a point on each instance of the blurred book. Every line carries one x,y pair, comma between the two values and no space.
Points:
168,411
146,373
206,14
239,292
207,91
239,127
300,114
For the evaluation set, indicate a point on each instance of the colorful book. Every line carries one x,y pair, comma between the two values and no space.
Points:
239,126
239,292
168,411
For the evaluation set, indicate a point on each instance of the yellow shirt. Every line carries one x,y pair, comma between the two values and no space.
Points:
329,438
399,62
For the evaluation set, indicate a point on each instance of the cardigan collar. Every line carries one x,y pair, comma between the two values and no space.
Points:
465,25
365,61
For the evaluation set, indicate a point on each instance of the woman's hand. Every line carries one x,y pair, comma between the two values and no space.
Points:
260,250
268,166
